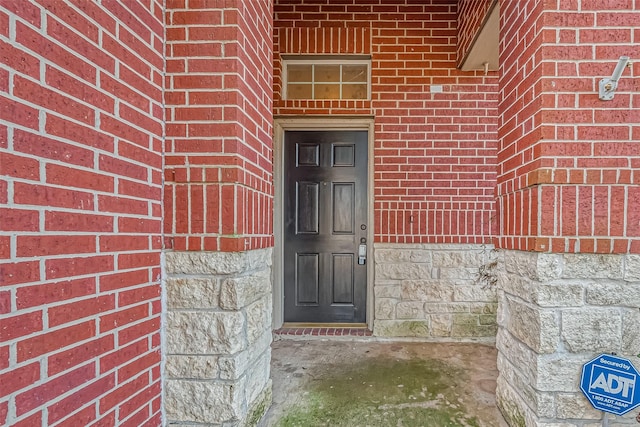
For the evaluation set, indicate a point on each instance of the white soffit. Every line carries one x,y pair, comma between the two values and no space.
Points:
485,46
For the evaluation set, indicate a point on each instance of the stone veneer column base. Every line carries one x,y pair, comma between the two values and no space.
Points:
218,336
556,312
436,291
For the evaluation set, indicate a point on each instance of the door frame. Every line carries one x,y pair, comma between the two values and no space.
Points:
325,123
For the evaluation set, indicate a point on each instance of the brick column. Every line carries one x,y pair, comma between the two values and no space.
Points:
218,206
568,205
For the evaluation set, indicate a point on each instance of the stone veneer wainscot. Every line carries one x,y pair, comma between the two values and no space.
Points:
435,291
557,312
218,336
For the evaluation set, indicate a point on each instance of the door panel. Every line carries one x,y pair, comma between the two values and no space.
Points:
343,278
307,274
307,207
325,219
343,208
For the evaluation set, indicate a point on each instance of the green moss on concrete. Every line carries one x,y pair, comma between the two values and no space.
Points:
385,392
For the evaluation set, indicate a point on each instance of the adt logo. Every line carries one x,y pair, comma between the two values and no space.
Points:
611,384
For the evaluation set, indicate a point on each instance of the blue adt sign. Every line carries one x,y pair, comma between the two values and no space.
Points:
611,383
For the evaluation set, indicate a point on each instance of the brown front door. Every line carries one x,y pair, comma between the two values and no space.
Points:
325,212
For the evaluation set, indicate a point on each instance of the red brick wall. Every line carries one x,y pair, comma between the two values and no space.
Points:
80,207
435,154
218,193
471,16
568,177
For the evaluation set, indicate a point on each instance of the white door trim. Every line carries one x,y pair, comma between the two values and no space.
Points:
281,125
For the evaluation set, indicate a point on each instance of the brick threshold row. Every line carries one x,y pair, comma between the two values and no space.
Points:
323,332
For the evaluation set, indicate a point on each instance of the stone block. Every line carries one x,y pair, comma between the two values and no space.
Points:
517,355
473,331
559,373
484,308
452,307
195,367
235,366
548,267
465,319
441,325
510,374
540,404
591,330
545,405
631,331
520,287
392,256
236,293
257,377
258,318
427,291
192,292
632,268
385,308
575,406
521,264
487,319
607,293
466,325
404,271
459,274
536,327
593,266
410,310
474,293
559,294
550,331
217,263
532,265
387,291
259,407
200,401
512,406
198,332
401,328
502,314
458,259
421,256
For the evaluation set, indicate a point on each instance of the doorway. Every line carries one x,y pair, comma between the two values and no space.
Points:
325,227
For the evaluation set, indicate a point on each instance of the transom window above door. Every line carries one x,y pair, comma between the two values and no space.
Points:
334,78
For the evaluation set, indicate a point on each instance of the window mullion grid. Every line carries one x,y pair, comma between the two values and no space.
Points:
313,81
340,81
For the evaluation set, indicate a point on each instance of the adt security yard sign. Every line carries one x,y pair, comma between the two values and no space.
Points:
611,383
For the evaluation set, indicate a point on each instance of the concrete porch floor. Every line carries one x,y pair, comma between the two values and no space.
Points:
368,382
